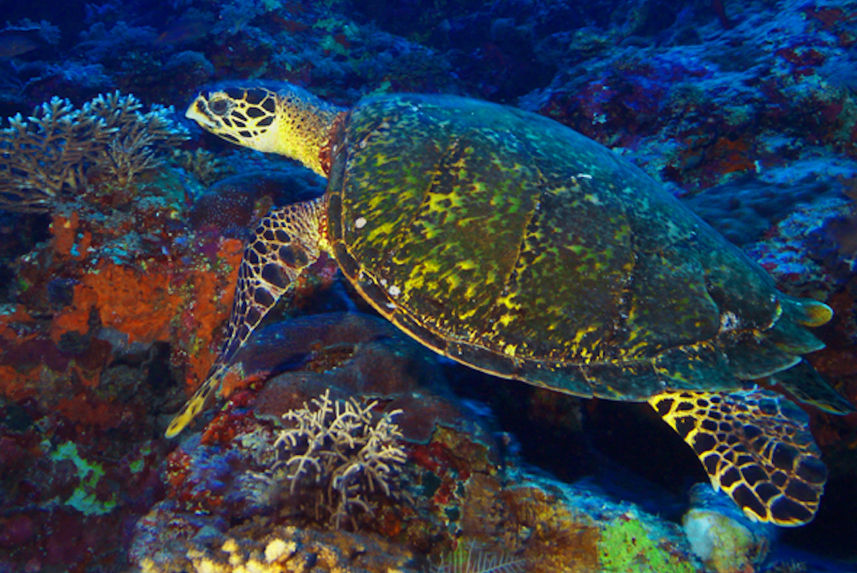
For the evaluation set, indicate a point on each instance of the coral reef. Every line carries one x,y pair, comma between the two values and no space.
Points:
119,243
339,450
631,543
723,538
57,150
224,504
281,549
472,558
26,36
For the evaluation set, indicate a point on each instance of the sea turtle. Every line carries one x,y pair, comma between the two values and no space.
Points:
517,246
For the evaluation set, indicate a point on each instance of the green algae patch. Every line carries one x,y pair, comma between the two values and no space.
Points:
630,545
83,498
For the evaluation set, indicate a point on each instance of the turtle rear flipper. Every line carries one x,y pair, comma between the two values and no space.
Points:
756,446
804,383
755,352
285,242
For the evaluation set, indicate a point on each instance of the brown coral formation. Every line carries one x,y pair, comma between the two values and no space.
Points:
57,149
342,454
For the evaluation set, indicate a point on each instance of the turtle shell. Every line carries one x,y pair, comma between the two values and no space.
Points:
515,245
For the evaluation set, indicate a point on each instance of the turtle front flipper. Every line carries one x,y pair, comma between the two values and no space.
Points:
286,241
755,446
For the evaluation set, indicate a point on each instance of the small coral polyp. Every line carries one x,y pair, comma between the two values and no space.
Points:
59,149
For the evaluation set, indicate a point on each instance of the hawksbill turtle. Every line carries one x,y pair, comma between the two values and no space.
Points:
519,247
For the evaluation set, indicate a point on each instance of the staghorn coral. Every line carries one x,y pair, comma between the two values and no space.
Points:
339,454
54,152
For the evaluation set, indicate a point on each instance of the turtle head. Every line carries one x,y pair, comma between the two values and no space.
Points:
285,120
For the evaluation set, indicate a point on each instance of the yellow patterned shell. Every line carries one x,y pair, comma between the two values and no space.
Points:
515,245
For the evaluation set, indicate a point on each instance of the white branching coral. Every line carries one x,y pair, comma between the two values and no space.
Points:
343,452
52,152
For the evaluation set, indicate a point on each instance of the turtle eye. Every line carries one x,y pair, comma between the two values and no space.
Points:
218,106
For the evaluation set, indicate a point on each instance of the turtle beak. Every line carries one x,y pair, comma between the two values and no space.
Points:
198,112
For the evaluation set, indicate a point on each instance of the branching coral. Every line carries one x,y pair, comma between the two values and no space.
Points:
206,167
52,152
342,452
471,558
